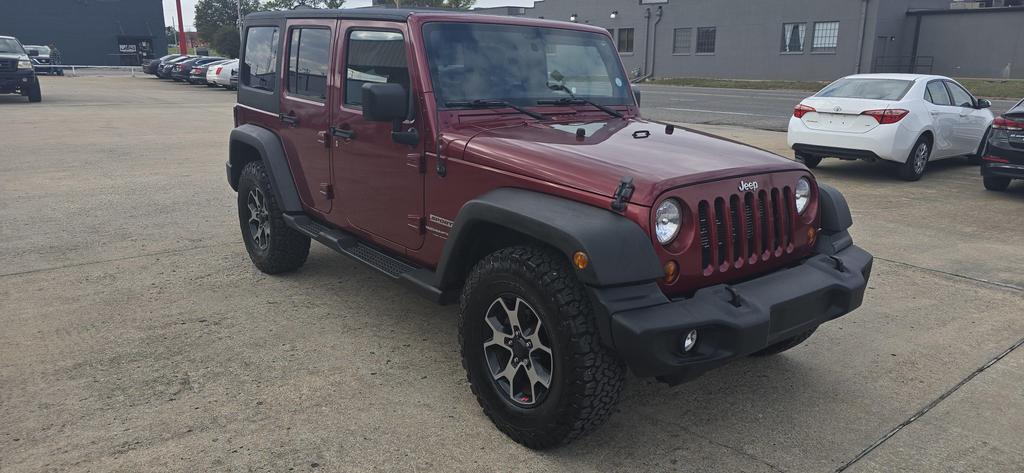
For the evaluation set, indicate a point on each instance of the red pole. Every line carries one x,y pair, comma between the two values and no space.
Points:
182,40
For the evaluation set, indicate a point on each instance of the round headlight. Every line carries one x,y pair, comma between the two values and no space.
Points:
802,194
667,219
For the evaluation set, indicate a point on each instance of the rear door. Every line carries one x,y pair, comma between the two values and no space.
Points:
305,114
944,117
970,128
380,182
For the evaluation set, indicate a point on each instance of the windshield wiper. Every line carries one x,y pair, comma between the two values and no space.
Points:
491,103
573,99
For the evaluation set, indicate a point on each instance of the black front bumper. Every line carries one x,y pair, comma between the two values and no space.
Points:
733,321
14,81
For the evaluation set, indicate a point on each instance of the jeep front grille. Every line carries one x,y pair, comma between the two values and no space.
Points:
745,228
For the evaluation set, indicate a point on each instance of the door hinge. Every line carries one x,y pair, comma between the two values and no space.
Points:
327,190
418,222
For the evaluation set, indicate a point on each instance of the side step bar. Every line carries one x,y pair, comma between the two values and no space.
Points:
347,244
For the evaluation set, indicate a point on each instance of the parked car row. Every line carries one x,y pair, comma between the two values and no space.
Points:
910,120
196,70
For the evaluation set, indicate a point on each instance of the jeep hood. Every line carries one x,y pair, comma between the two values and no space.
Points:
609,150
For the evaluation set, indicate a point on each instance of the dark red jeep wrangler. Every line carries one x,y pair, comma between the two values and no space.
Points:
502,164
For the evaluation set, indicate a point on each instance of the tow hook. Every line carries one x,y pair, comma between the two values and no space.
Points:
838,263
735,296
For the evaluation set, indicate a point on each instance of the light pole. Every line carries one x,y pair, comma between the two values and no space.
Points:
182,40
239,5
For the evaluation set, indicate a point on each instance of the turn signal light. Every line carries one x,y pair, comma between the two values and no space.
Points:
811,235
580,260
800,110
889,115
671,272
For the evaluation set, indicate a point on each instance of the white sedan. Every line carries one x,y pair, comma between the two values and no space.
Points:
221,73
909,119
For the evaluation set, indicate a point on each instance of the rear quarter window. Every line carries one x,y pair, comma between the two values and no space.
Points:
260,68
873,89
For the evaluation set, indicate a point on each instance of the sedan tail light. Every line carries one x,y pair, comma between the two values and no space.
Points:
1007,124
802,109
889,115
217,72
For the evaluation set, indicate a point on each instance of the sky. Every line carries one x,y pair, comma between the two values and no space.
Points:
188,8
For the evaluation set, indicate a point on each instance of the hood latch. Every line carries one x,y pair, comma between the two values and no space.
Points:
622,194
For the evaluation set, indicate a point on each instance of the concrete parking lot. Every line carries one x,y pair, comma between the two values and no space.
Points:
135,335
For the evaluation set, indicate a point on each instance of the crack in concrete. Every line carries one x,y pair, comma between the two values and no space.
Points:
961,276
114,260
728,447
924,410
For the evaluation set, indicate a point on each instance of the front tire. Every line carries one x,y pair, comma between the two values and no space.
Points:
914,168
273,246
35,92
531,349
996,183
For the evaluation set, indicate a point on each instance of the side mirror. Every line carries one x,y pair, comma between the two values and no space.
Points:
33,53
384,102
636,95
984,103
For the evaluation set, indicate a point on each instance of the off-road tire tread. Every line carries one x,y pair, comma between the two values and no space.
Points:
288,248
599,374
785,344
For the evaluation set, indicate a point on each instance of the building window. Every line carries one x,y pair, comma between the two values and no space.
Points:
706,40
309,56
374,57
793,37
681,39
826,37
625,40
259,70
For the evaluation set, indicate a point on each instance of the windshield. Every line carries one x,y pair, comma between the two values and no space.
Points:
877,89
8,45
522,65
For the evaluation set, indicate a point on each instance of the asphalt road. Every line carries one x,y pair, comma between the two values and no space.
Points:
762,109
135,335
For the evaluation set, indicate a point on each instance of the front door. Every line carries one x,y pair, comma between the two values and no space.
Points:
380,183
305,113
972,122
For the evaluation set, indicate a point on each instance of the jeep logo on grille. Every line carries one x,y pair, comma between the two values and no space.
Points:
748,186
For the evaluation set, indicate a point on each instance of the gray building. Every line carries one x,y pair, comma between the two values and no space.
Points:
89,32
799,39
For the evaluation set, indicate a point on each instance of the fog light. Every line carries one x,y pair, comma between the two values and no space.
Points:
690,341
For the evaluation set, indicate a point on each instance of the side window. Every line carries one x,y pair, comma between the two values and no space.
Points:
260,68
937,93
960,96
374,57
309,57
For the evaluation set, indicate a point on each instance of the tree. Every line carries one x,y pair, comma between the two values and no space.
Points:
172,35
216,21
290,4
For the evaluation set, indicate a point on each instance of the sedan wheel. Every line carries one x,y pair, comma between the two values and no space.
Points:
913,169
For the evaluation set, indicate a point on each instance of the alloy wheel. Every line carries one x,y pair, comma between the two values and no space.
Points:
517,353
259,219
920,157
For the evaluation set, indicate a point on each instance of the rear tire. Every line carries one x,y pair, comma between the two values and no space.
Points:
35,92
810,161
538,289
273,246
785,344
996,183
917,162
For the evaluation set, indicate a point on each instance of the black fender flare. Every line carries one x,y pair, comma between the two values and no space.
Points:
620,252
271,151
835,221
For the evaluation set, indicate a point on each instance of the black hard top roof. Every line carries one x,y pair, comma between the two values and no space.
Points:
369,13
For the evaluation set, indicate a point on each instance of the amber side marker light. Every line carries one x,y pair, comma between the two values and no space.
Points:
811,235
580,260
671,272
